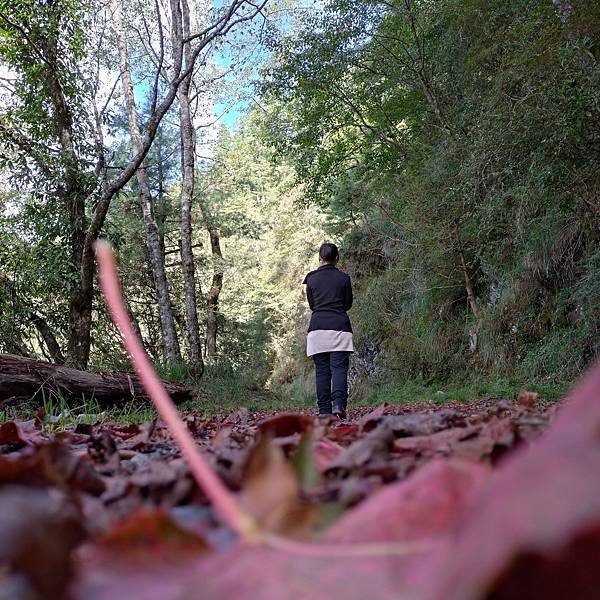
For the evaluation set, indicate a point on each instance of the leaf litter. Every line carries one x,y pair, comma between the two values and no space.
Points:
470,501
398,474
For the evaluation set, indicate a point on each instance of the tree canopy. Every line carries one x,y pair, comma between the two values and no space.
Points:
450,148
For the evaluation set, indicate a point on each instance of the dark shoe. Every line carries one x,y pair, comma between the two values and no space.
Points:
340,413
324,409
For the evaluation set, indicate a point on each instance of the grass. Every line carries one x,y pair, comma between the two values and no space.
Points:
223,396
60,413
414,391
223,391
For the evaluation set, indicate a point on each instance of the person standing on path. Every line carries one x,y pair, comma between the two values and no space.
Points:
329,339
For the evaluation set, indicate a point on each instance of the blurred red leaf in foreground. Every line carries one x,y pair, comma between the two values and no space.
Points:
21,433
427,503
536,526
249,571
530,529
51,464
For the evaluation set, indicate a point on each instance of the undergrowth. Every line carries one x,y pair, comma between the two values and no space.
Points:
222,391
416,392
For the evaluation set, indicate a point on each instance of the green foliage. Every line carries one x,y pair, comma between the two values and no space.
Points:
417,392
455,147
269,242
44,95
450,148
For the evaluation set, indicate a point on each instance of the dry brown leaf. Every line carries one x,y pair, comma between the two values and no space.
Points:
271,492
527,399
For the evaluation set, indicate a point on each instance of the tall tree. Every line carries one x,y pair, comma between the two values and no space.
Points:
172,352
188,169
212,299
54,125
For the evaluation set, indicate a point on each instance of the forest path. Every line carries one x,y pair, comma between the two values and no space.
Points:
125,490
129,465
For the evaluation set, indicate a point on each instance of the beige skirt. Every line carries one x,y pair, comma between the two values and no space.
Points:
328,340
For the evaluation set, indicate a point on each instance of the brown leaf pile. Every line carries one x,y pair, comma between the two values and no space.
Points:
417,502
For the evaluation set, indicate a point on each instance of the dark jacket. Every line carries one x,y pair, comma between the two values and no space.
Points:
329,294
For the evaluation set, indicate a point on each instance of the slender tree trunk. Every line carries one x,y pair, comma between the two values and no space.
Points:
424,82
171,344
188,160
81,300
49,338
470,290
72,193
474,331
161,205
469,287
212,300
133,318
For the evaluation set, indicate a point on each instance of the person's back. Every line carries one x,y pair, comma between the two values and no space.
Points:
329,294
329,340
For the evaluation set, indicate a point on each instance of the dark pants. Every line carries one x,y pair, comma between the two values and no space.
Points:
331,371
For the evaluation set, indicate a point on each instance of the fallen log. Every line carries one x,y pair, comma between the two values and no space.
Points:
29,379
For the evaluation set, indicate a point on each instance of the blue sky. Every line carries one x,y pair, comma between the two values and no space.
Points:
238,86
254,58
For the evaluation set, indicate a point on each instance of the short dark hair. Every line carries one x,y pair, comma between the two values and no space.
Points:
329,252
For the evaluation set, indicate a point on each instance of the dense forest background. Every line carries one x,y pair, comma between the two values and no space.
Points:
451,148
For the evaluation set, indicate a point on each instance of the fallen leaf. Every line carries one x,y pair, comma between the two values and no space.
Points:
54,465
271,493
527,399
493,440
374,446
325,452
540,510
240,417
246,573
286,424
343,433
242,572
425,504
374,414
23,433
38,531
142,439
123,432
424,423
442,442
102,449
150,533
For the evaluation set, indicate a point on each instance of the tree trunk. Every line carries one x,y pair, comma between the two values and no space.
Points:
73,193
172,352
212,301
424,81
27,378
49,338
474,331
188,164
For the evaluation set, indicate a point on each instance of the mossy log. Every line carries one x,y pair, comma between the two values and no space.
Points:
28,379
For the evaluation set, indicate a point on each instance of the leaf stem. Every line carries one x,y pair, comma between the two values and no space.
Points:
349,550
221,498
